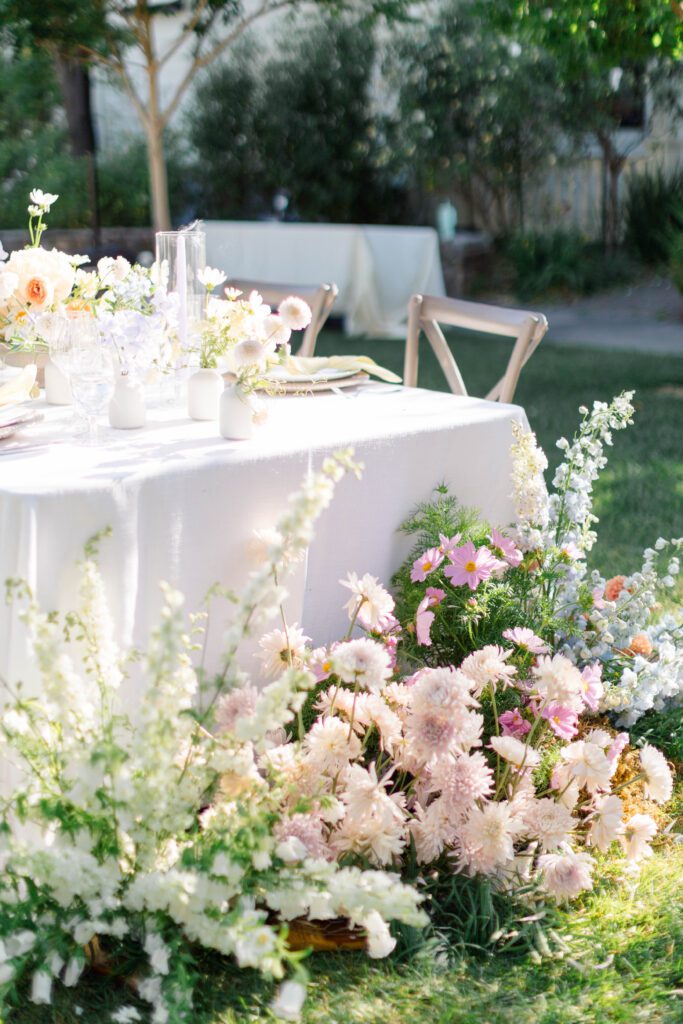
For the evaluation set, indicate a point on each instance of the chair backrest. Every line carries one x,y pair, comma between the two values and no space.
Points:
319,297
426,312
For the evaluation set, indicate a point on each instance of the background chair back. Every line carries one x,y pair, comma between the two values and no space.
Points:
427,312
319,297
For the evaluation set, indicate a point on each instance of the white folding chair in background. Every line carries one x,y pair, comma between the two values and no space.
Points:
426,312
319,297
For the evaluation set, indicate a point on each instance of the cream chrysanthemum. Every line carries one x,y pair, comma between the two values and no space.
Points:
330,745
549,822
487,667
280,648
564,875
362,662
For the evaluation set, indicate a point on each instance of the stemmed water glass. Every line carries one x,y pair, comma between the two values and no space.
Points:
78,351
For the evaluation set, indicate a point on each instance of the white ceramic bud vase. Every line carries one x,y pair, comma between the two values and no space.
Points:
203,393
127,406
239,414
57,387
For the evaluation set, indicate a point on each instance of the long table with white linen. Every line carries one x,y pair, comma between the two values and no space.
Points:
376,268
183,503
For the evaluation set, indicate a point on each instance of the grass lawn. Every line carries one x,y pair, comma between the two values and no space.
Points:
624,955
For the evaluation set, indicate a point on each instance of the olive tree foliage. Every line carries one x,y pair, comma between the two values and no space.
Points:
118,34
300,121
603,50
474,111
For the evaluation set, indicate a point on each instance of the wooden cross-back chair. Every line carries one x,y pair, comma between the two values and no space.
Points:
319,297
426,312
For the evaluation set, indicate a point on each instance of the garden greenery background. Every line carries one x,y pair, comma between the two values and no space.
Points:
469,102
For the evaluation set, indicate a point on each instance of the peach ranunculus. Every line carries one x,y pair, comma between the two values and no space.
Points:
640,644
614,587
38,291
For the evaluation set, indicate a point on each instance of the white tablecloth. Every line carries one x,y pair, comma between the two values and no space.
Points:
376,269
183,503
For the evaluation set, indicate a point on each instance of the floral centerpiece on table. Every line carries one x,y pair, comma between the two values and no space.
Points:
242,334
157,830
40,287
34,281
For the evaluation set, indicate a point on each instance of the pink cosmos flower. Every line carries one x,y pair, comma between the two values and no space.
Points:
563,721
424,616
598,594
513,723
425,564
447,545
572,551
526,640
471,565
591,685
621,741
511,553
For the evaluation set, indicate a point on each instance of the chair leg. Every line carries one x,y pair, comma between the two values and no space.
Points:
412,353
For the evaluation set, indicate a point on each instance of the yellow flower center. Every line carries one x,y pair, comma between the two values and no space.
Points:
426,566
470,566
327,666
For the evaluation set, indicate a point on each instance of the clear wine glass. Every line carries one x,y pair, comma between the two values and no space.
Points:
91,373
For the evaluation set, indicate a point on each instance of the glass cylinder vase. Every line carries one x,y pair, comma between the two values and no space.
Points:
181,255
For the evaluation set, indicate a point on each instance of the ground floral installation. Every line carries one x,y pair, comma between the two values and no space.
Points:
458,735
167,831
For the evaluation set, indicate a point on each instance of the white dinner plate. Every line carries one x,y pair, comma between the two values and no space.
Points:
282,376
13,420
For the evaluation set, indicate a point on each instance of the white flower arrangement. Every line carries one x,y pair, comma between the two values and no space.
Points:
613,621
147,827
242,334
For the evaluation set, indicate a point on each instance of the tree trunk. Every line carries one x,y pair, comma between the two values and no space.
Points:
74,83
614,165
161,213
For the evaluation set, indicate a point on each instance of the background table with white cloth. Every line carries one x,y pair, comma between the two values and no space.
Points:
376,268
183,503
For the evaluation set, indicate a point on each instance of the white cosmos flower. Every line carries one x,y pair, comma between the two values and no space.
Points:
42,200
376,603
515,752
3,254
275,330
636,835
658,781
295,313
606,819
588,764
211,278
